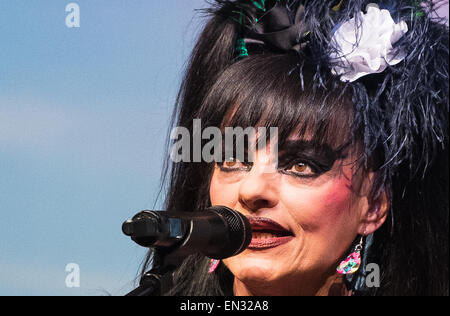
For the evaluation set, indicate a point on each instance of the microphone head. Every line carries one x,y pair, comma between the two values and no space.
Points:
239,232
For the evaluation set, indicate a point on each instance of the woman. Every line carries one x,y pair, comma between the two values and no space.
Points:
359,180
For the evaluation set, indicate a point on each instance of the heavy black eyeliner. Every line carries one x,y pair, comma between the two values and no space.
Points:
229,170
317,166
317,170
296,175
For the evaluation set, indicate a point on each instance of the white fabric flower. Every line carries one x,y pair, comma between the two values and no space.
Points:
365,45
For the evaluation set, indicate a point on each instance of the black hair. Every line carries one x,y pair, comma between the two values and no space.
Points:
399,117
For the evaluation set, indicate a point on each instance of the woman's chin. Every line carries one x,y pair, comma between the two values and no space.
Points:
255,270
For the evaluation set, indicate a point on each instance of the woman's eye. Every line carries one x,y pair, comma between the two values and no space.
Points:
232,164
302,169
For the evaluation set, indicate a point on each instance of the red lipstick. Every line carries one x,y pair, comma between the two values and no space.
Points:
266,234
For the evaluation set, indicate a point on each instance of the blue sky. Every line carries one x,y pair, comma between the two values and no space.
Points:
83,120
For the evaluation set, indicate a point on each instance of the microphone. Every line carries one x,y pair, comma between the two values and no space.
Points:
217,232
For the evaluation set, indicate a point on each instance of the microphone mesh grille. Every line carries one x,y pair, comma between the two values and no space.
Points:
240,230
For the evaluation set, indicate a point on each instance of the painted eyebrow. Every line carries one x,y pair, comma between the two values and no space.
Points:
305,145
322,153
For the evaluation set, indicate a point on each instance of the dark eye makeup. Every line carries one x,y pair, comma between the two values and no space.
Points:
302,159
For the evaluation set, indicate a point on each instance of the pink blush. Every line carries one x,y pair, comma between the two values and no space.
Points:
338,197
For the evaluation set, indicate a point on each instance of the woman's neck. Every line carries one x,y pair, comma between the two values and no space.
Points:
333,286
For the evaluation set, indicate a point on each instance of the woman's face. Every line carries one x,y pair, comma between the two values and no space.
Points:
304,216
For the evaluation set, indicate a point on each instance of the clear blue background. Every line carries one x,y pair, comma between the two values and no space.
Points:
83,119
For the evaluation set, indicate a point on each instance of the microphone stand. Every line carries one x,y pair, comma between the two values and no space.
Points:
158,279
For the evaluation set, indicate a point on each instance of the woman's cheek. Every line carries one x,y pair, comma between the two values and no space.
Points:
337,199
319,208
222,192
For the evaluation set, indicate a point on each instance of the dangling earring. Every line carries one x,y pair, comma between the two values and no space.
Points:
353,261
213,265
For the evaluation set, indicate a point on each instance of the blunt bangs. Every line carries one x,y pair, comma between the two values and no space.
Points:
266,91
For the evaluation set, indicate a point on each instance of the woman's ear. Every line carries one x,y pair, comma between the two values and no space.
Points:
375,215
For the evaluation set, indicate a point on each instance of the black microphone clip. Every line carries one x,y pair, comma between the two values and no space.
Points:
148,228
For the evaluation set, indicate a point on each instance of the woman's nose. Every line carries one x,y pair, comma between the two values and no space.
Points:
259,187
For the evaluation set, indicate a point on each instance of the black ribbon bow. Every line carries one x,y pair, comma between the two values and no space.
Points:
280,27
